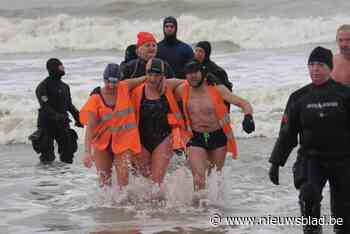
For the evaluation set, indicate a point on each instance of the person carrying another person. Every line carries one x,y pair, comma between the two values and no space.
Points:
317,116
208,125
53,121
111,137
172,50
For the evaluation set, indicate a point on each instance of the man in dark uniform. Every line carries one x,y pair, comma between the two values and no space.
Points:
319,116
172,50
202,52
53,122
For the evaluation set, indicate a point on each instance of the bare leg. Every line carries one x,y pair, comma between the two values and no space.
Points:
122,169
143,163
217,158
104,163
198,160
160,160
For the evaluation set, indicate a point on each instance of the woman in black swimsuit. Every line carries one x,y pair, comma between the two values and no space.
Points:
152,109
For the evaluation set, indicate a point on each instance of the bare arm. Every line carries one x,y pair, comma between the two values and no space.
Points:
235,100
173,83
132,83
178,92
92,122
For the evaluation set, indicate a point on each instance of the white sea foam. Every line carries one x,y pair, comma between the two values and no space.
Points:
265,78
105,33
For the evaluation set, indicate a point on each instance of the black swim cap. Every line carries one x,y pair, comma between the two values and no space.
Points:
111,72
323,55
157,66
192,66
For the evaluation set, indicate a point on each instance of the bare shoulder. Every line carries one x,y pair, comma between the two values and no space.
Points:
179,89
222,89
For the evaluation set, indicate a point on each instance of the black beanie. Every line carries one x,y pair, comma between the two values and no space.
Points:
205,45
323,55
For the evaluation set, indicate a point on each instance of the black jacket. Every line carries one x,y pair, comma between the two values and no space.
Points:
55,101
210,67
320,117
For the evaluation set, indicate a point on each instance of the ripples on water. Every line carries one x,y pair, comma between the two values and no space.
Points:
61,198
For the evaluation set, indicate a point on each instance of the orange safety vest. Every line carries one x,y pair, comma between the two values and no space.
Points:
220,111
175,119
118,124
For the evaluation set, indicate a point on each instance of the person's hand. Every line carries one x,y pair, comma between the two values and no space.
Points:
248,123
274,174
88,160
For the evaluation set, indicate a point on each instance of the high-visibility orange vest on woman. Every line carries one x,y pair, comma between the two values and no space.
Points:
175,119
117,125
221,113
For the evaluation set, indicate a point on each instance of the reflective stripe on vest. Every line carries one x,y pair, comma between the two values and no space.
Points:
118,129
120,113
123,127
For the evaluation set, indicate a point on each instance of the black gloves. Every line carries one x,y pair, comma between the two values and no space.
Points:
248,123
274,174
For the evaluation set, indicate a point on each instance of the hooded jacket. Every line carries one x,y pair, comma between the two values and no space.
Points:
174,51
54,97
209,66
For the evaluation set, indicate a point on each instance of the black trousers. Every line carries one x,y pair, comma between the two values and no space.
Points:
337,173
62,134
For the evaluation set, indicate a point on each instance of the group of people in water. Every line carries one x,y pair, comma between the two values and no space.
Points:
166,99
148,114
